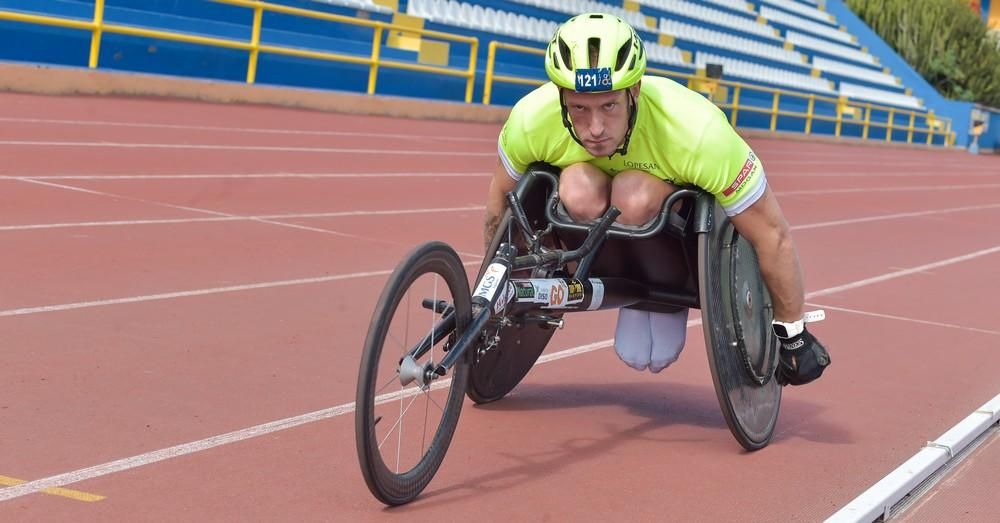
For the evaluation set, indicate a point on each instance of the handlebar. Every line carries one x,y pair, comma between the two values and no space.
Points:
595,235
652,229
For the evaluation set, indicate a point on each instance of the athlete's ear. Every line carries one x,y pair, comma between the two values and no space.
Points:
635,89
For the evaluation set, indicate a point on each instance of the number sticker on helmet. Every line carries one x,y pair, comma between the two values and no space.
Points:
593,79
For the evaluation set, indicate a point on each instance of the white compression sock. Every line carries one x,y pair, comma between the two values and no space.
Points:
652,340
669,331
633,338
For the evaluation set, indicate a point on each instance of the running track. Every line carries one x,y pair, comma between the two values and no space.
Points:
185,288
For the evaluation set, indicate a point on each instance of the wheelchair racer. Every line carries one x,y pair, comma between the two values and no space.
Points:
629,140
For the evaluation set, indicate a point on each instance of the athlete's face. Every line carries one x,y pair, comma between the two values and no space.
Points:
600,119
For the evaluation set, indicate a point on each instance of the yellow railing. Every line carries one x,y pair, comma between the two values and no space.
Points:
491,63
933,126
846,113
97,27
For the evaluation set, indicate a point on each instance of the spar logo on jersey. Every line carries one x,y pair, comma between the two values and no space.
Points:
749,167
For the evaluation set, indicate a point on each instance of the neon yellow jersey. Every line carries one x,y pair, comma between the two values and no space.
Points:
679,136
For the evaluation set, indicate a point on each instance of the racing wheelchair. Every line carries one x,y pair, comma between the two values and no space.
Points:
432,341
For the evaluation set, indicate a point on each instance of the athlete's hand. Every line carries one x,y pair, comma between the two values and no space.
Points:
802,359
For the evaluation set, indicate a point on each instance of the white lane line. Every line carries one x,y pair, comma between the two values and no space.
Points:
68,478
187,294
879,500
471,175
231,217
254,130
223,215
905,272
934,188
280,283
840,164
285,175
248,176
194,209
198,292
973,172
245,148
929,273
61,186
218,214
903,318
864,219
140,460
112,467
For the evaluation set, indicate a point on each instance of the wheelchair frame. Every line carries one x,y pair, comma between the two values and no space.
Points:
749,398
498,296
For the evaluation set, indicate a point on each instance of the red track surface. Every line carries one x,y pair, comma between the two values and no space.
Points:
140,313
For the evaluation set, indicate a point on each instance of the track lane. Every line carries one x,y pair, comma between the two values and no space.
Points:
558,405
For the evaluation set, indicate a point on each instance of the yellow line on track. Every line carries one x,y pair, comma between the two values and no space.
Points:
64,492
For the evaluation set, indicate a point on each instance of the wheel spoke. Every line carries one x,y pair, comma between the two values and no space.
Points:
393,427
427,406
406,323
396,340
427,393
399,438
387,383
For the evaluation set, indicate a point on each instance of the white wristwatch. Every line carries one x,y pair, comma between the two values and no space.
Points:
787,330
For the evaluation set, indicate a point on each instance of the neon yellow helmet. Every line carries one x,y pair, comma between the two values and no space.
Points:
621,57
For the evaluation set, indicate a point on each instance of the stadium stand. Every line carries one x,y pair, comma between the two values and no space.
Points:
366,5
819,45
767,75
783,18
794,45
858,92
802,9
705,14
723,40
461,14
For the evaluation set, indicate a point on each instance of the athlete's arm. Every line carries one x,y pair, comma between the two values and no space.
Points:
802,357
496,202
725,166
765,227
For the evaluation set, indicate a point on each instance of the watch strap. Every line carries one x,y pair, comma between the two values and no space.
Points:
787,330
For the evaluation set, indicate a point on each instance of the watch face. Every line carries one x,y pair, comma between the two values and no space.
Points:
779,330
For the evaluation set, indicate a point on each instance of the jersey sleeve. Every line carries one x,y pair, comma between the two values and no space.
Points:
725,166
513,147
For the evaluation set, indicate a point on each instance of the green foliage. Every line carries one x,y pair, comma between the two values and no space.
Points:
943,40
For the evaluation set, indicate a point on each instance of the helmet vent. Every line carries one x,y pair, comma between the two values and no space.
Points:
598,16
623,56
594,46
565,54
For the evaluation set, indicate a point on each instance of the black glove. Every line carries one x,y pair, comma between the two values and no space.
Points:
802,359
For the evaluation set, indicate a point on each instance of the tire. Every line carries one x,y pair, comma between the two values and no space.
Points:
388,483
736,318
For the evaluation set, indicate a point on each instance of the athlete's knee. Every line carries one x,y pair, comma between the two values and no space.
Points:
584,190
639,195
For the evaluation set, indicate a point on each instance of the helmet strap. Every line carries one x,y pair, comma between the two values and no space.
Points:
565,119
633,105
